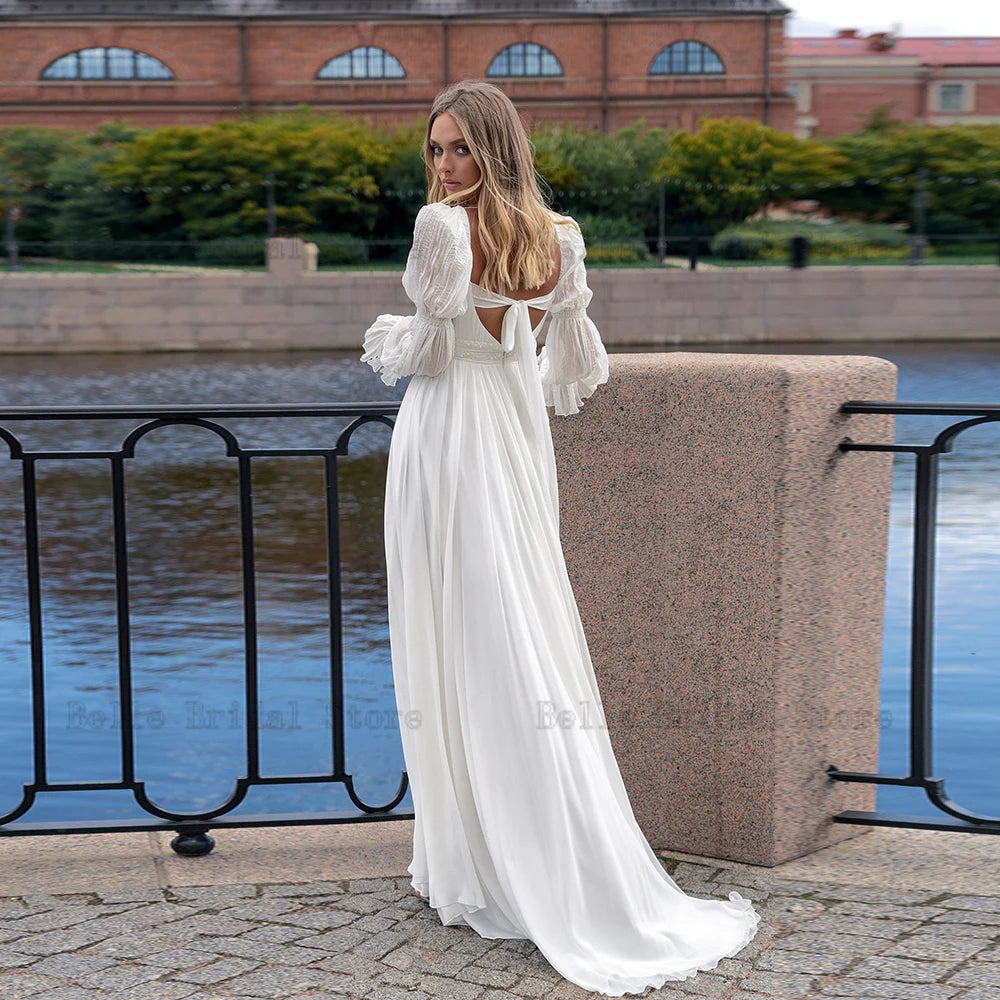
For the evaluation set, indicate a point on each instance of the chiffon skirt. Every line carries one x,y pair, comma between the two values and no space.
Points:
523,827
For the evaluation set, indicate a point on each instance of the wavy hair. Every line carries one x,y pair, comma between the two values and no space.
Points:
515,224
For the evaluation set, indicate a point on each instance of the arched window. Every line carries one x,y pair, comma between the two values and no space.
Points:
686,57
106,64
525,59
366,62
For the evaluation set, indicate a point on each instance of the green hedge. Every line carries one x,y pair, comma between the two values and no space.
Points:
633,252
848,241
339,248
251,251
612,239
600,228
117,251
843,253
235,251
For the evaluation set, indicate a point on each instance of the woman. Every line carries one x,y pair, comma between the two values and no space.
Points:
523,826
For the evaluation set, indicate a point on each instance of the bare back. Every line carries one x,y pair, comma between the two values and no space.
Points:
492,318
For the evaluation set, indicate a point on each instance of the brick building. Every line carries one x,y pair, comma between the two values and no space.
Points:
838,82
598,63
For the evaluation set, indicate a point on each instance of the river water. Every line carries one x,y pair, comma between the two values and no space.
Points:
186,585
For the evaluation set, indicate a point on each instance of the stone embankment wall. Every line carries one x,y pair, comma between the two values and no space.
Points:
644,307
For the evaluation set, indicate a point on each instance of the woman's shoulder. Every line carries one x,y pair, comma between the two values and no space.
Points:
439,227
439,216
570,238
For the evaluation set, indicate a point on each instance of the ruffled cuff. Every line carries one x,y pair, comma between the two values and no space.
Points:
397,346
572,364
374,343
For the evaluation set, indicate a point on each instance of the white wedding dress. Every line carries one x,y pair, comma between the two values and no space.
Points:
523,827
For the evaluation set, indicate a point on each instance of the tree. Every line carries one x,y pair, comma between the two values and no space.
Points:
203,182
961,165
732,168
26,159
402,184
881,119
88,216
610,175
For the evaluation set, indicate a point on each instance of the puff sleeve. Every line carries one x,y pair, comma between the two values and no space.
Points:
437,282
573,362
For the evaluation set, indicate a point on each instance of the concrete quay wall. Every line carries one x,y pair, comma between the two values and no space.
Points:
237,310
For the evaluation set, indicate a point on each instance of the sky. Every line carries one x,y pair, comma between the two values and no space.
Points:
916,17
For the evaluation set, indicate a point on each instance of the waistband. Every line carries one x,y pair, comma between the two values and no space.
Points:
482,354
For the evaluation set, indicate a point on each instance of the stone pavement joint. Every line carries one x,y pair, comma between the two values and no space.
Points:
372,939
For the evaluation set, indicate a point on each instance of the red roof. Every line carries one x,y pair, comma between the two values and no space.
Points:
930,51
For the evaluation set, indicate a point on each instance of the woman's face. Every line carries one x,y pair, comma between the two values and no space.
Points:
454,164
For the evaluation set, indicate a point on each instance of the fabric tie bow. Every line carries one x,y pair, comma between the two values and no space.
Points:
516,318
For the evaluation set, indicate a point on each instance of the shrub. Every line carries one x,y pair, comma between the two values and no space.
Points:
103,248
340,249
731,248
612,239
843,253
633,252
600,228
833,241
234,251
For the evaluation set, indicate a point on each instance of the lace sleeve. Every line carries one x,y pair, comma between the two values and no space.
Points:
573,362
437,282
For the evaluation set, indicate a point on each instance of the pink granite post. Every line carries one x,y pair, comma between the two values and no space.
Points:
289,257
729,565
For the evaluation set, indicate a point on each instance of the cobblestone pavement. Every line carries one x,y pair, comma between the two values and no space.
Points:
371,939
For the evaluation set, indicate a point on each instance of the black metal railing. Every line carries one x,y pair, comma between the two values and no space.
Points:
192,828
921,766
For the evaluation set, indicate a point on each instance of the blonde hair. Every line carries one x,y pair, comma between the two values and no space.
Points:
515,225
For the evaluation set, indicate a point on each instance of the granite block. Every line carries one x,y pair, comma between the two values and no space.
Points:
729,564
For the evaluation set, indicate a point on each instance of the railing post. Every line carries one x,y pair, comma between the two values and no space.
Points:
918,244
661,231
799,251
922,613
